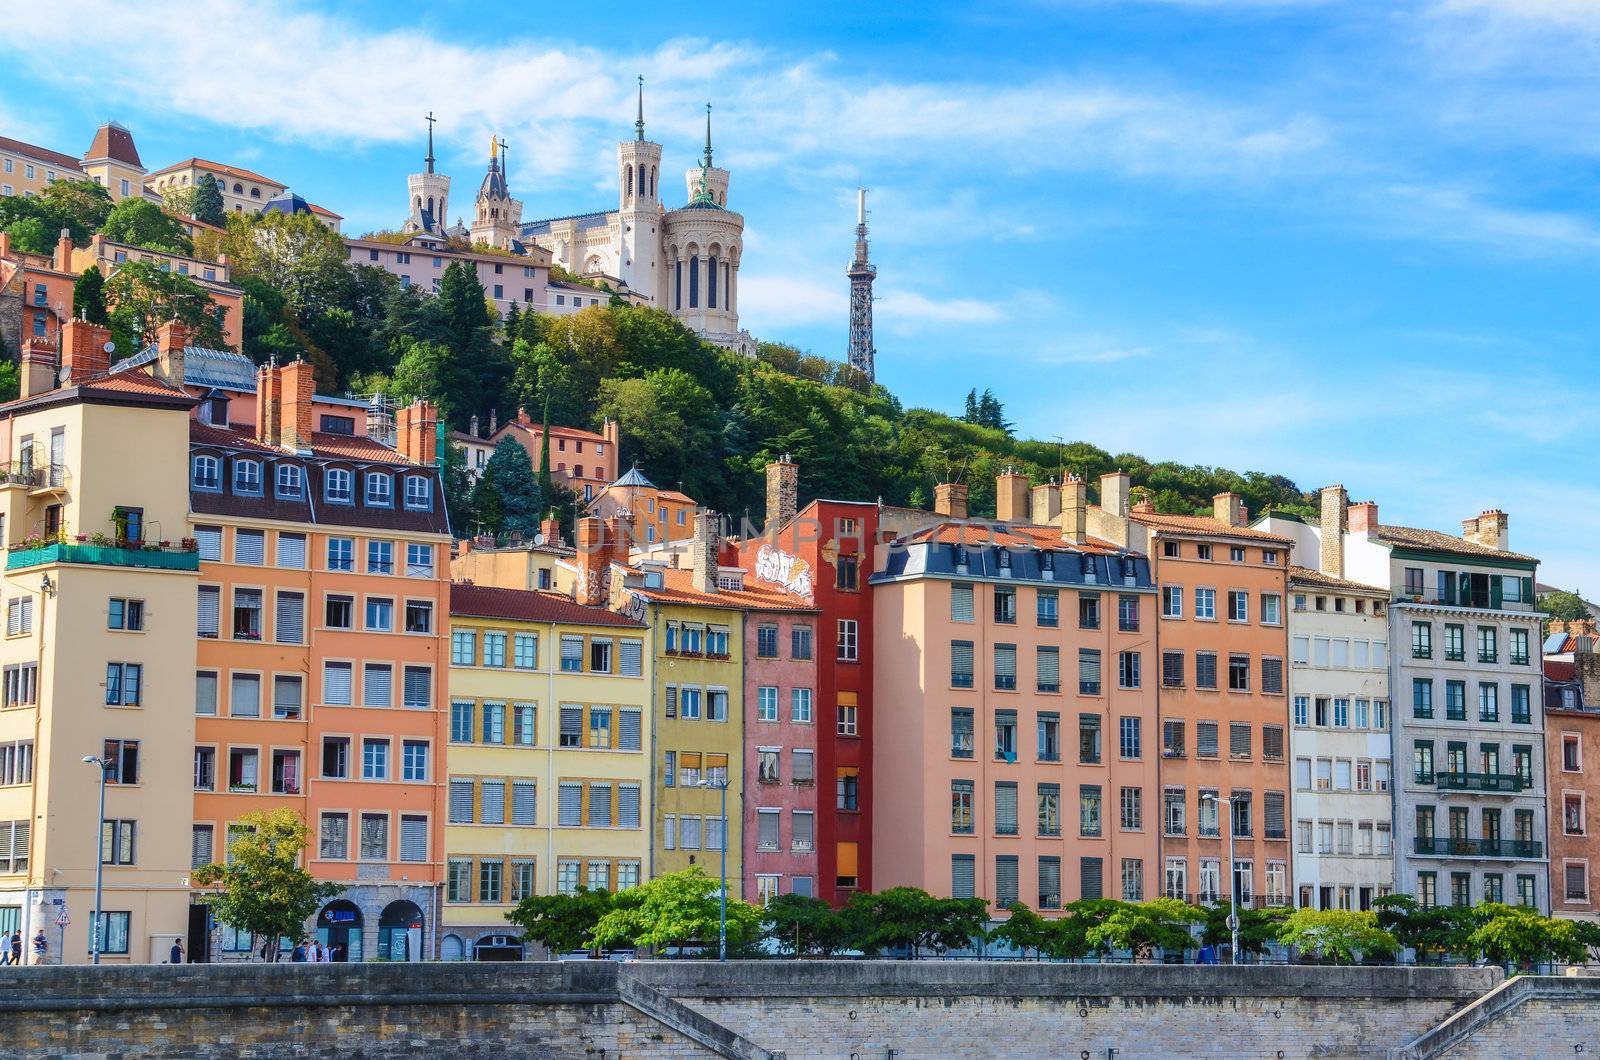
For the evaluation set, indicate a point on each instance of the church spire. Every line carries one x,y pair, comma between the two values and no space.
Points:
639,124
708,136
429,159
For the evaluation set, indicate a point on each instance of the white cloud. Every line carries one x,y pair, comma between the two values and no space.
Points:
905,312
779,301
1457,214
1099,355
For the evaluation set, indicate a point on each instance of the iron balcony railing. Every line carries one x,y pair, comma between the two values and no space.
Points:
1479,848
1497,783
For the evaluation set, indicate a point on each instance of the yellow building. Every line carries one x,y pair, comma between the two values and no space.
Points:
112,162
97,657
548,764
28,170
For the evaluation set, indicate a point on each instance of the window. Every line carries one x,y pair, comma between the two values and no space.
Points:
961,664
525,651
1128,669
375,759
419,616
380,490
1047,669
341,554
800,642
1239,739
1088,671
380,614
1272,675
800,705
1421,697
336,683
1455,642
1128,614
1046,608
1488,645
1205,733
1005,735
767,641
419,492
290,481
1005,808
243,774
1048,799
847,640
1455,700
1519,647
846,714
1173,741
289,618
1238,606
122,761
1089,739
1128,738
846,572
287,699
1239,673
1271,609
961,745
336,757
206,473
1005,667
1171,598
1571,752
1088,610
124,683
767,703
374,837
125,614
960,603
1488,701
1521,705
1205,669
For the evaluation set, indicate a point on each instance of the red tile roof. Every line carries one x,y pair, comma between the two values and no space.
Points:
1307,576
217,167
1558,670
235,436
133,383
314,208
332,446
113,141
1205,526
42,154
1411,537
354,447
526,605
980,534
679,589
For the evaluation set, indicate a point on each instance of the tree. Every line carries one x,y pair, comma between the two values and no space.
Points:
561,923
1023,930
1563,606
804,926
10,380
142,297
481,369
1141,927
143,224
1431,931
986,411
669,424
1340,935
1258,928
263,889
207,205
89,296
911,918
1520,937
506,498
81,206
676,910
301,258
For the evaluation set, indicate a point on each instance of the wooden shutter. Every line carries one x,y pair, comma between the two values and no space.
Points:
672,701
200,846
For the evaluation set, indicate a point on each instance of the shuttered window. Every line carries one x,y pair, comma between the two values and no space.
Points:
492,802
286,696
571,726
1090,878
803,767
292,551
205,693
209,541
244,696
1272,742
1049,883
628,806
1005,808
961,663
631,654
1205,735
460,801
805,830
569,810
1005,666
1088,671
524,802
413,838
961,603
599,806
207,618
671,703
767,822
377,685
571,654
250,546
200,848
1273,803
629,732
962,882
419,687
1005,880
1239,739
289,623
336,683
1049,669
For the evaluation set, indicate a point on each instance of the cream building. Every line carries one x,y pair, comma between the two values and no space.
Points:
98,649
243,191
112,162
27,170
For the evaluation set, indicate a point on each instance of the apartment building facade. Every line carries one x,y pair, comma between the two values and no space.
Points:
549,704
97,649
1572,754
1468,721
322,659
1340,741
27,170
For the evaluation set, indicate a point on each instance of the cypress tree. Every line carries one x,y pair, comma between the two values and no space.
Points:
89,296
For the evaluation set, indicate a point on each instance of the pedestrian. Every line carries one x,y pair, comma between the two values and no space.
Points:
41,946
314,952
299,954
176,956
326,954
16,946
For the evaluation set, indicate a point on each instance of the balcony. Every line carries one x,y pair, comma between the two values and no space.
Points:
152,557
1479,848
1492,783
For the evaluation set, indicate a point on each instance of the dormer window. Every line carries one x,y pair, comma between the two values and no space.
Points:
207,473
1047,564
338,486
961,557
247,476
380,490
1003,557
419,492
291,481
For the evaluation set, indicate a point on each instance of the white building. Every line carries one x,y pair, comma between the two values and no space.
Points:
1339,740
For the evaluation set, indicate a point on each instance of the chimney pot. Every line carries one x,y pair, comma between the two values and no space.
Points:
63,256
1363,518
1047,503
83,351
1011,496
1114,488
298,390
783,487
950,500
1335,505
1074,510
1226,508
172,339
705,547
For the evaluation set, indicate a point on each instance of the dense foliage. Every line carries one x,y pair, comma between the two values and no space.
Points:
263,888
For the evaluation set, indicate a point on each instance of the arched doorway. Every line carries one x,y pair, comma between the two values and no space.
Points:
497,948
451,948
339,929
400,932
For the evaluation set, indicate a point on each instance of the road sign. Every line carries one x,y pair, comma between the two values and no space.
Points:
63,918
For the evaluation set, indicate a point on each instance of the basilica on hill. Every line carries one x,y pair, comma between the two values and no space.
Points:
682,259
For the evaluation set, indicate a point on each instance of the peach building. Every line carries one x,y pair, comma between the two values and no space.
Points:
585,462
36,299
322,616
1572,757
212,277
1015,671
658,516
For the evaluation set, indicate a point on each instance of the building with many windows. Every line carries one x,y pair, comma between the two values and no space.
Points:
549,775
1013,672
1572,757
1468,719
1339,740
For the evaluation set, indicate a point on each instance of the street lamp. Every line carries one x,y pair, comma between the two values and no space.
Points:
722,918
99,860
1233,873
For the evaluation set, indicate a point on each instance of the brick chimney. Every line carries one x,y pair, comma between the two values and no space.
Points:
38,366
269,404
416,432
950,500
594,559
83,351
1114,492
1488,529
1226,509
1011,496
299,385
172,338
703,551
1335,504
1074,510
551,529
611,432
783,491
523,417
63,256
5,246
1362,518
1047,503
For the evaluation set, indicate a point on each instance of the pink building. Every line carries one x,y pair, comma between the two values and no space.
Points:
780,760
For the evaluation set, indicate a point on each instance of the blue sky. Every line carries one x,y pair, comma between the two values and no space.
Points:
1342,242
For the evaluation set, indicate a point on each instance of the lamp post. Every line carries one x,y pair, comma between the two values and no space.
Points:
99,860
722,916
1233,875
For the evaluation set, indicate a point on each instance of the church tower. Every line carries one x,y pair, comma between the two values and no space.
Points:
499,217
429,194
862,272
714,180
639,209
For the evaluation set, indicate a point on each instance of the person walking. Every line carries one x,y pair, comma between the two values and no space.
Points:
176,956
41,946
325,954
16,946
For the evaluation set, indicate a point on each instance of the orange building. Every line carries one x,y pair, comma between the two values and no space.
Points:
1222,642
582,461
36,298
658,516
322,615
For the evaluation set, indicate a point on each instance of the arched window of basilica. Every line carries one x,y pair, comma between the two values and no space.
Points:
694,281
641,179
652,182
711,281
630,182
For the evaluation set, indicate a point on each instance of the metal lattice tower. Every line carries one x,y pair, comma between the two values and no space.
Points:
862,272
